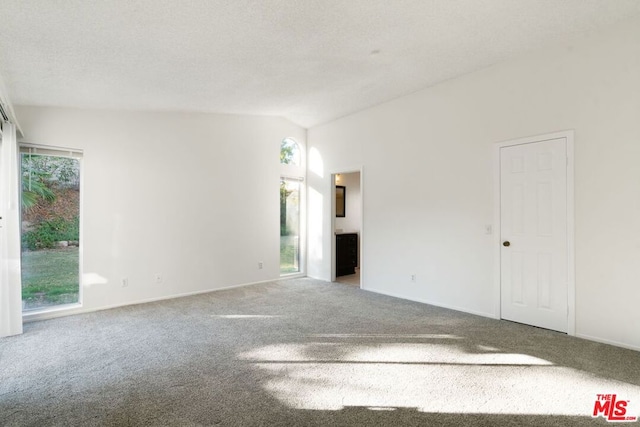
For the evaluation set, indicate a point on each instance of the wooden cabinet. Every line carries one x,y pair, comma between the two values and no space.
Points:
346,253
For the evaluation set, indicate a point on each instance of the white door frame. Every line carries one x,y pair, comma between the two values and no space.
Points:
332,176
571,285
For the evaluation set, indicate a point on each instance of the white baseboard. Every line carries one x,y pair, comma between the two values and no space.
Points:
610,342
493,316
78,309
437,304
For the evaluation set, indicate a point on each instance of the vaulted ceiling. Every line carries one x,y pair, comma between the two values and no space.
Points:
310,61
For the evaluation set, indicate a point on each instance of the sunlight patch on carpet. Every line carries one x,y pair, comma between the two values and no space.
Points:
527,390
390,336
426,353
244,316
433,378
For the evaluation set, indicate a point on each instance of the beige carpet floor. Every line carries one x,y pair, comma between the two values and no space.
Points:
304,352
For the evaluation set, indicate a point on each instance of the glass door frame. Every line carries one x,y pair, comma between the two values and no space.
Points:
45,150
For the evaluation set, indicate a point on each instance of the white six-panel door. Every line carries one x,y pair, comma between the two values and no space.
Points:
533,227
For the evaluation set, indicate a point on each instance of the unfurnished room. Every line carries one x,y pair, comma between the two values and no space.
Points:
340,212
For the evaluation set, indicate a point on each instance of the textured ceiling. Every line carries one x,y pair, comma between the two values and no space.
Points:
307,60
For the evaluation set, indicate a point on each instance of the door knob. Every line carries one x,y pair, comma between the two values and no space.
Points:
506,243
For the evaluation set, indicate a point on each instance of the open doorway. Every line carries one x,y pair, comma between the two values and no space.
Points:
347,228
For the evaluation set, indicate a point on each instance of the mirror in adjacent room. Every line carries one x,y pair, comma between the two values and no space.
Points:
340,201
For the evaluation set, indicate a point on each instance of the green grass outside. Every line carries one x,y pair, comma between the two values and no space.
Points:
50,277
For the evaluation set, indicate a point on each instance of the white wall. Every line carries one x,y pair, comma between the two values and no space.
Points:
192,197
437,146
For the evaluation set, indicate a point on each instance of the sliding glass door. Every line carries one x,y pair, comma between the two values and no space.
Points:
50,230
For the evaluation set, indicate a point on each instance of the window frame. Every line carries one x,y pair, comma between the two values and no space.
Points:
296,172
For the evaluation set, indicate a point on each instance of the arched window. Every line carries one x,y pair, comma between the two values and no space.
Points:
289,152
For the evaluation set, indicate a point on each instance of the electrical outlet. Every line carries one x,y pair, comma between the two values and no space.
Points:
260,265
125,282
413,277
158,278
